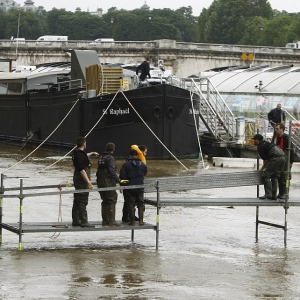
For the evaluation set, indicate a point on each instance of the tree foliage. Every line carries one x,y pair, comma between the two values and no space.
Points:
225,20
248,22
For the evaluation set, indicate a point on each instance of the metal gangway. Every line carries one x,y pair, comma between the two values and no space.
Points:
295,132
218,117
213,110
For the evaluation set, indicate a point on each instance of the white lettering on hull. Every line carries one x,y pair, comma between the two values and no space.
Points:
117,111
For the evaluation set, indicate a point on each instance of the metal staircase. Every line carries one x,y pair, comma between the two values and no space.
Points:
217,116
213,111
295,133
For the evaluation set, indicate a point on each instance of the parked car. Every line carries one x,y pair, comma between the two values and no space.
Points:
101,41
18,41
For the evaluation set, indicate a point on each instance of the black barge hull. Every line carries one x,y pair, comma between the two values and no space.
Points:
153,116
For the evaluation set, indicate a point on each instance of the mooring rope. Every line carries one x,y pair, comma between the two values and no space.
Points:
195,122
153,132
59,219
49,166
44,140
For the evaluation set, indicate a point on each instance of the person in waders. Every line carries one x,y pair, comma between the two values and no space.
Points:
81,180
107,177
273,163
141,152
134,170
281,139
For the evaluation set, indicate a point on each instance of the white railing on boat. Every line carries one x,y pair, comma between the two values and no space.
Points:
59,86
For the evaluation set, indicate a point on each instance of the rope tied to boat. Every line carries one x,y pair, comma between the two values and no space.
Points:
43,142
195,122
59,218
103,114
153,132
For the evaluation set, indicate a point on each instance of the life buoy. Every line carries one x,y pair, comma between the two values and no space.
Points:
141,156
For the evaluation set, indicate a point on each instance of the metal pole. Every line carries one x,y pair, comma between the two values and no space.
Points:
1,205
157,213
256,223
288,168
287,183
257,194
21,215
132,236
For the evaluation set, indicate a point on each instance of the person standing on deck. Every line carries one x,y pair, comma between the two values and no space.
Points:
144,67
281,139
81,179
273,163
276,115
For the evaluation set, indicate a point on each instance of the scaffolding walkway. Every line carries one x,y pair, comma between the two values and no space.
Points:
154,186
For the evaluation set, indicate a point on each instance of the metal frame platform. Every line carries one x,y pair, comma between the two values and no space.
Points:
157,185
67,227
164,202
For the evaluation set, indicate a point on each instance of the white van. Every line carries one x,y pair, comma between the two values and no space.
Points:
48,39
18,41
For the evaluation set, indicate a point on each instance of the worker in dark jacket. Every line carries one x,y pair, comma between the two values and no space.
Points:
276,115
281,139
134,170
141,152
144,67
81,179
273,163
107,177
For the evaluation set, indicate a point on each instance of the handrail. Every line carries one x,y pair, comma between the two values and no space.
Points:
154,44
213,110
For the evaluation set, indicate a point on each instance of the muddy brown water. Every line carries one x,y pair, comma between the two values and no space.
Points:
204,252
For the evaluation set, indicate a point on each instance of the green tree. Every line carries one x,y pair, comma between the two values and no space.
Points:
186,27
31,26
294,34
226,19
202,21
81,26
55,22
187,13
278,30
254,32
3,23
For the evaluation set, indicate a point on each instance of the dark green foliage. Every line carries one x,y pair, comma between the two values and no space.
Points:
248,22
136,25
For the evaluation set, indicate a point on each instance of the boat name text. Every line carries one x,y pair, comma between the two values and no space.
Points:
117,111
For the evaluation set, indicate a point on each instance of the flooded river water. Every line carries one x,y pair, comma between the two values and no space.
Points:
204,252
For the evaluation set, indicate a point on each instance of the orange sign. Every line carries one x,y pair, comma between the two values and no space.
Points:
249,56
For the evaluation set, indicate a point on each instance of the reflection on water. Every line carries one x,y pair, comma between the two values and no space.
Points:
205,252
